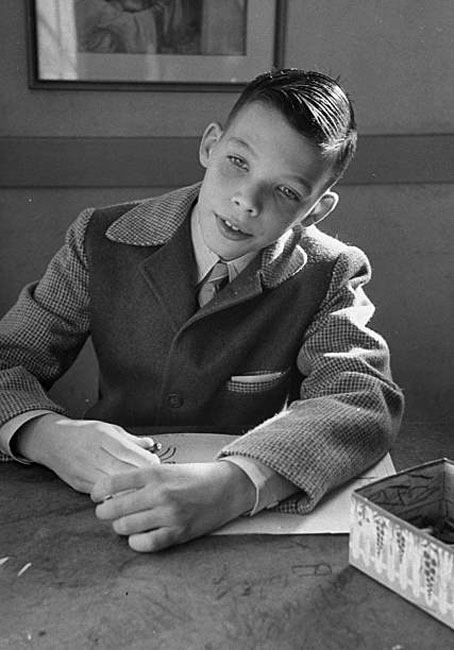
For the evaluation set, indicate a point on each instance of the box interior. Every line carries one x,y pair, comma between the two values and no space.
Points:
422,496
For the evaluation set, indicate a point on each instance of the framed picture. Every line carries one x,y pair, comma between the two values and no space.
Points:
153,44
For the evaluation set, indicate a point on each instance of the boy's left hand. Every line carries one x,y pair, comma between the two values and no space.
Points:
163,505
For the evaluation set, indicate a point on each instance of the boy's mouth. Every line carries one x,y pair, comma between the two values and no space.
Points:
230,230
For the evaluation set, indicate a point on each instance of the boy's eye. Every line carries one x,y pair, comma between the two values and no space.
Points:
288,193
237,162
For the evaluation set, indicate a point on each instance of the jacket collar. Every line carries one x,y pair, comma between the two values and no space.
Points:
153,222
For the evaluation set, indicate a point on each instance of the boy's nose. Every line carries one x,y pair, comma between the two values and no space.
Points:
247,201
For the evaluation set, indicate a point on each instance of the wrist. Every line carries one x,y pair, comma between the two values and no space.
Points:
32,439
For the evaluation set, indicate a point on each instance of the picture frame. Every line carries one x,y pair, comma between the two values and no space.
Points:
181,45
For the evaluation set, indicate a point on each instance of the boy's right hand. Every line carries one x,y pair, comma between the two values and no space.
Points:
82,451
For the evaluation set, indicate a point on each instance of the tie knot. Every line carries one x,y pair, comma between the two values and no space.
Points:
214,281
219,271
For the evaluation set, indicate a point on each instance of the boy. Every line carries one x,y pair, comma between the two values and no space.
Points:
281,353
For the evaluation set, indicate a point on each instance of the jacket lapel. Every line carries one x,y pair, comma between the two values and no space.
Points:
171,274
153,222
170,270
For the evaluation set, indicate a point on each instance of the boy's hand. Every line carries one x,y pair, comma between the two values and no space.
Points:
82,451
167,504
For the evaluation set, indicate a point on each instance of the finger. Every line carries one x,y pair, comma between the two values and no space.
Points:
124,504
153,540
138,522
107,486
148,443
128,453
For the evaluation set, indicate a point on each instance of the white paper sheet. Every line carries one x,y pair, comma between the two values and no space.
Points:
330,516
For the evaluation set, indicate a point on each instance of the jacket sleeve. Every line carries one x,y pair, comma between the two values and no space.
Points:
45,330
349,409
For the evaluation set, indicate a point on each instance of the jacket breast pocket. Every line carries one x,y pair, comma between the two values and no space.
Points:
247,400
256,381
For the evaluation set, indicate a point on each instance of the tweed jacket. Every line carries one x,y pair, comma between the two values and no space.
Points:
296,369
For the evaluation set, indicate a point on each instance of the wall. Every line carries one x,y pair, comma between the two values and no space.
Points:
395,56
63,150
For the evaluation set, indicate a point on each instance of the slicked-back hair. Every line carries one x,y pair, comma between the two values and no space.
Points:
314,104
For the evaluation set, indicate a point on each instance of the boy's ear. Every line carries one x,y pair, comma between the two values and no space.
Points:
324,206
210,137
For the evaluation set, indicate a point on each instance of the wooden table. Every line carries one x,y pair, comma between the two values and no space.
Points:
70,583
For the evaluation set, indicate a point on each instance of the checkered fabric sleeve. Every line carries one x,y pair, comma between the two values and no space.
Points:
44,331
349,408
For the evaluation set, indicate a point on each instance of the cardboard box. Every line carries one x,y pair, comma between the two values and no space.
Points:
401,529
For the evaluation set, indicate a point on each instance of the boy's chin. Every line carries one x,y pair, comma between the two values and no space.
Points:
230,251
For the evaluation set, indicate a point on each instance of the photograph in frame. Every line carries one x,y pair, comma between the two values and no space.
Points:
165,43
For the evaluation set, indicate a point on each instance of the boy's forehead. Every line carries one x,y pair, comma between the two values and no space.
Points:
259,121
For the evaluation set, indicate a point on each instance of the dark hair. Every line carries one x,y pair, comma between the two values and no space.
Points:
314,104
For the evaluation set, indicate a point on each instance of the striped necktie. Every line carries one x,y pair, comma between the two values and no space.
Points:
216,279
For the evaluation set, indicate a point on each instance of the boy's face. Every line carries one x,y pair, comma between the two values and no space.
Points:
262,177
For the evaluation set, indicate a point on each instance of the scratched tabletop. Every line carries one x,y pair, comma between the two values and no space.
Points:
67,582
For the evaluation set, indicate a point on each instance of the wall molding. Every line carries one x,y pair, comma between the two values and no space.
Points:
170,162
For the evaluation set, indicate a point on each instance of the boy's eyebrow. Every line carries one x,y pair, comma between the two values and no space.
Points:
298,179
239,141
301,181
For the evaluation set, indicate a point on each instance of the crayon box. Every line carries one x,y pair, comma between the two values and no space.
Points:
402,535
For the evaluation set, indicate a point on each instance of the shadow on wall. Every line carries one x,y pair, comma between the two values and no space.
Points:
407,232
